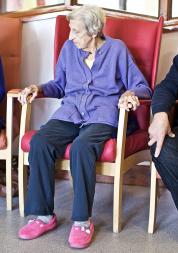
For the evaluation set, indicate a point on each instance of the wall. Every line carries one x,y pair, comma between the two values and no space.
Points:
37,62
37,51
169,48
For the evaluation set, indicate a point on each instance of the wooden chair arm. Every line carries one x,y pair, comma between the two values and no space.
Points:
121,135
24,121
13,93
122,129
25,111
123,118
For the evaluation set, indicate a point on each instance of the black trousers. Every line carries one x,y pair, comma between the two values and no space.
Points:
167,164
48,144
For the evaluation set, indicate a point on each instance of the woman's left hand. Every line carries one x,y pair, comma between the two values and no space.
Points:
128,101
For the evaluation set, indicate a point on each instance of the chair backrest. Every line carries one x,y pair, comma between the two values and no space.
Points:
61,35
10,52
142,37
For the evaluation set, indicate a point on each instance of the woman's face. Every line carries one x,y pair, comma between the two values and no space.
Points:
79,36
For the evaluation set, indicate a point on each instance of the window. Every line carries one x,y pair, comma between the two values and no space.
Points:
149,8
145,7
21,5
174,8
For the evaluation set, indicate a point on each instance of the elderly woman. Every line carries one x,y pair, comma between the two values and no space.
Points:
92,73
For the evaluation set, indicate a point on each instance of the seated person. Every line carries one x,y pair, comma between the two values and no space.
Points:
164,143
3,141
93,72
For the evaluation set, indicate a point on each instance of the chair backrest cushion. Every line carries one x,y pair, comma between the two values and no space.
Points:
10,52
61,35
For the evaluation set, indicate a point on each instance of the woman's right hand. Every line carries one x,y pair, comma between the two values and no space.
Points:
128,101
28,94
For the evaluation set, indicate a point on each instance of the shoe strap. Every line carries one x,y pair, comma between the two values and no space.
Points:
37,221
83,229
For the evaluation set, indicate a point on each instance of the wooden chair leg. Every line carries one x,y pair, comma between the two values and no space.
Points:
153,200
22,174
9,124
9,183
70,178
117,203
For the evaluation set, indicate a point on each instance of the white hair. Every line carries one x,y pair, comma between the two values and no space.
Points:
93,18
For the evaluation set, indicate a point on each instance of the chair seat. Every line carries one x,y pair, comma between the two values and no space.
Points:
134,143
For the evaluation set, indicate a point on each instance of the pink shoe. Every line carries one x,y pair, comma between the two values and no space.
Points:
80,237
35,228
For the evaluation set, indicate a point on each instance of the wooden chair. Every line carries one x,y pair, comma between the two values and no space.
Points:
119,155
10,52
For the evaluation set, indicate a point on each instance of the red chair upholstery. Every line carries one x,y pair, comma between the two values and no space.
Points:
109,153
143,39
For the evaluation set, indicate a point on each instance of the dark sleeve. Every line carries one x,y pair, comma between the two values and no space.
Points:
166,92
2,88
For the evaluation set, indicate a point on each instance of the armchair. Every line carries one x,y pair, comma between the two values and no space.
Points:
143,39
10,52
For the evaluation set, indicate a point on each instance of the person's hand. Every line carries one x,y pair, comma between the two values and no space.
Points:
28,94
128,101
159,128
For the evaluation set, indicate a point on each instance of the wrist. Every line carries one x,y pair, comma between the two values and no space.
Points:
130,92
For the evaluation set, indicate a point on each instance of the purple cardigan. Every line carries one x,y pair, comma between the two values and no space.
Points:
91,95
